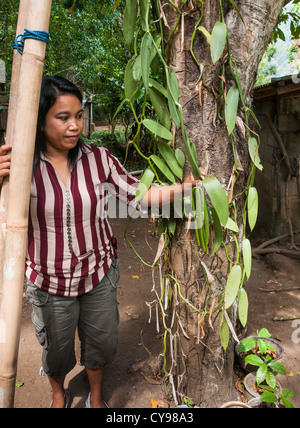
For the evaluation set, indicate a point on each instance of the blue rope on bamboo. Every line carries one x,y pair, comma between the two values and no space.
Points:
19,42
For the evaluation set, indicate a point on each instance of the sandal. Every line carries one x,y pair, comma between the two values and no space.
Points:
88,402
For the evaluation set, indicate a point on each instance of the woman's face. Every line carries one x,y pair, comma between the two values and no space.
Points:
64,125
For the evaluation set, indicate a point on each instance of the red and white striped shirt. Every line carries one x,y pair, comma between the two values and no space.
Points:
70,242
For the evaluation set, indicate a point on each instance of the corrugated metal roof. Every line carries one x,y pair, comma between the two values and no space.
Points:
279,86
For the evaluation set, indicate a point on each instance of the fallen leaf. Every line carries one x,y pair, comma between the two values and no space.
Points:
161,404
135,276
154,403
291,373
240,387
19,384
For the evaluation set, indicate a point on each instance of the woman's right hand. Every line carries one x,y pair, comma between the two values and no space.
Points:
5,160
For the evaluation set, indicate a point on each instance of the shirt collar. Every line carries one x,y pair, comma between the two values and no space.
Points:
84,149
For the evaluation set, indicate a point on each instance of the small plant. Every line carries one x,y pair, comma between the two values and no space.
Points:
262,354
187,402
272,396
258,346
266,370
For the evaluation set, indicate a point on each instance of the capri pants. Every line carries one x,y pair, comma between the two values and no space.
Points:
94,314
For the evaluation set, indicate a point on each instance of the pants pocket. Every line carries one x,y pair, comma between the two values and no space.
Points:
114,274
41,332
36,296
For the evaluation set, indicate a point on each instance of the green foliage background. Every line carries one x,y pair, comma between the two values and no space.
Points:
87,46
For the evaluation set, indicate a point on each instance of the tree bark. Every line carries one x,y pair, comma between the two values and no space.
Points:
202,370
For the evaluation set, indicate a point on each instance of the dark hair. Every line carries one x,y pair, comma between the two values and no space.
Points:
52,88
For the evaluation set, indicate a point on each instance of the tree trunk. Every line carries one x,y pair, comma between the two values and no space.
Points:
202,370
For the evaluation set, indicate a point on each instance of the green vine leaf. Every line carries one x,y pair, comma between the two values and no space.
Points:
218,198
206,33
144,184
137,69
223,331
231,107
247,257
173,85
173,109
218,239
144,14
129,81
252,207
146,59
130,16
157,129
253,152
172,226
163,168
243,305
204,237
231,225
233,285
168,155
158,87
160,106
173,96
180,157
218,41
198,209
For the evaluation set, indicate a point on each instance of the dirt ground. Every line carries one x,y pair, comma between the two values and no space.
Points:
125,387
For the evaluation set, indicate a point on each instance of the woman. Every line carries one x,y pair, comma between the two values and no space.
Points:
71,266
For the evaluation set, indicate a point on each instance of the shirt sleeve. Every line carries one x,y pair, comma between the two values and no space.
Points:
124,185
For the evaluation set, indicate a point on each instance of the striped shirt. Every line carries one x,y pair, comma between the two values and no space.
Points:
70,242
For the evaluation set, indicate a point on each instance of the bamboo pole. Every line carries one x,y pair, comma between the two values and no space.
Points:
12,108
15,242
